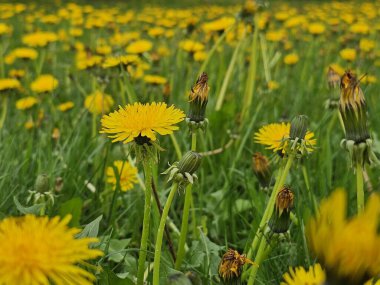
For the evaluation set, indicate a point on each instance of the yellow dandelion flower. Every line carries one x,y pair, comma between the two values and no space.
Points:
65,106
124,60
360,28
291,59
9,84
219,24
274,137
5,29
139,47
103,49
141,122
39,250
127,175
366,45
155,79
200,56
98,103
26,103
156,31
16,73
347,247
39,39
21,53
348,54
300,276
275,35
191,46
44,83
29,124
316,28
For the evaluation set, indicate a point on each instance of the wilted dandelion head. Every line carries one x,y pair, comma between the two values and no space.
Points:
231,265
39,250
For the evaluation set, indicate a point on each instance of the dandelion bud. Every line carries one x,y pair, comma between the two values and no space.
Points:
280,220
42,183
190,162
260,165
298,127
231,266
198,99
353,108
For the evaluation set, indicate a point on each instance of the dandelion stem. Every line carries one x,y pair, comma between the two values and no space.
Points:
146,220
160,233
262,253
185,215
359,187
281,178
176,146
4,112
307,182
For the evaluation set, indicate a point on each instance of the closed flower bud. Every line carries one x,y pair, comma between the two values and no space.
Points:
353,109
198,99
298,127
261,168
42,183
280,221
190,162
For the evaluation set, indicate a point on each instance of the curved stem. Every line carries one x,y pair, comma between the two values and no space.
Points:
359,187
185,214
160,233
146,220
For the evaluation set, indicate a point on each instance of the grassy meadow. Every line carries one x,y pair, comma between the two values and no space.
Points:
258,189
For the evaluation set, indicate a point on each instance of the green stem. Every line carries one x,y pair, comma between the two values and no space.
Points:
258,234
194,141
185,215
94,133
270,206
307,182
251,77
146,220
160,234
359,187
4,112
263,251
227,77
176,146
